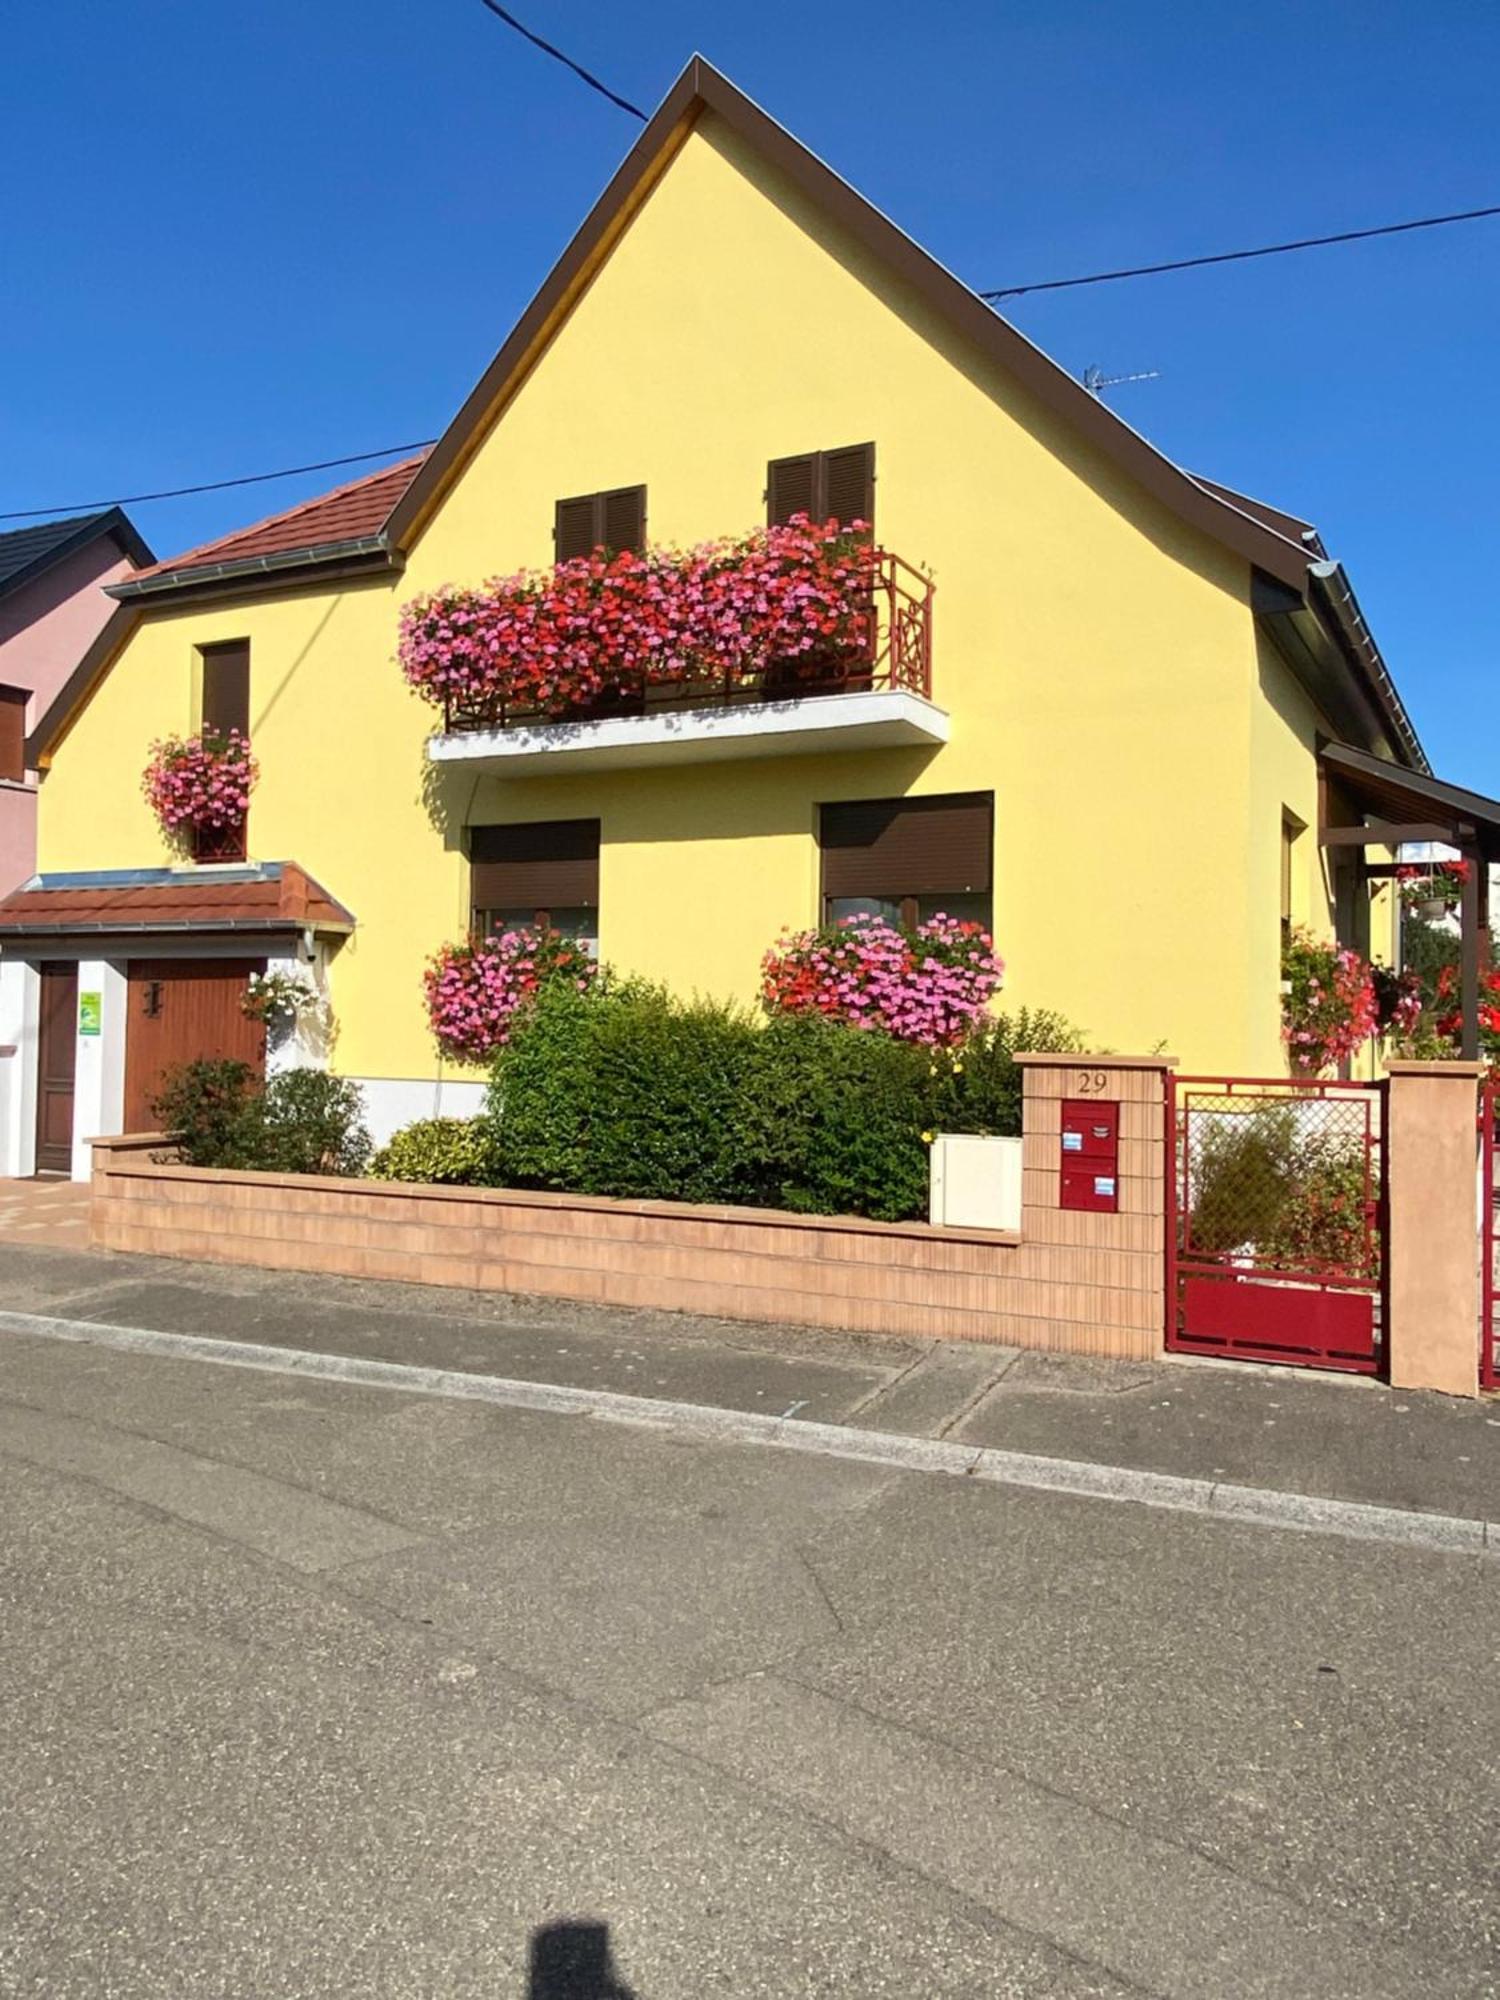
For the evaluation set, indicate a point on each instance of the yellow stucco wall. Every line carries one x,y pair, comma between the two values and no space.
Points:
1097,656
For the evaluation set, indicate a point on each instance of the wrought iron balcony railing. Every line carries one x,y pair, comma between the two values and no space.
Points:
898,655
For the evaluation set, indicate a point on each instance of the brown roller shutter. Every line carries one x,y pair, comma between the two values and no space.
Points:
573,531
226,686
791,488
623,519
551,864
849,485
13,733
908,847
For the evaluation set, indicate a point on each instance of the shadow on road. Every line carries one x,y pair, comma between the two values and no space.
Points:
573,1961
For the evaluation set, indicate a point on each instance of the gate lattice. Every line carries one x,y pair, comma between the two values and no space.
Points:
1276,1220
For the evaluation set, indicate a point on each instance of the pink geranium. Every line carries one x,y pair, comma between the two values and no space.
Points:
475,990
797,597
928,985
200,781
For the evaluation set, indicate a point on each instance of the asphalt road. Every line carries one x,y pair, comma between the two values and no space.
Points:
308,1689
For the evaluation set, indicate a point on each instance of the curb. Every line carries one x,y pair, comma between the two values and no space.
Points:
1449,1534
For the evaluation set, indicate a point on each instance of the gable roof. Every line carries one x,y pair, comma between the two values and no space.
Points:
27,553
345,522
355,536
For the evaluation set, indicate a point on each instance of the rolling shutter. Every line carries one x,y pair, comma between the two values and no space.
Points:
824,485
13,733
908,847
550,864
615,520
226,686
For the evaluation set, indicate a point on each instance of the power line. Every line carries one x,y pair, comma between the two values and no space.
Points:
1240,256
215,485
567,61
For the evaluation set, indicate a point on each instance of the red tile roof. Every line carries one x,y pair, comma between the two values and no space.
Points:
286,899
344,515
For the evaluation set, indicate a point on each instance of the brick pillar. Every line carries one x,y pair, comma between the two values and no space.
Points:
1108,1272
1432,1339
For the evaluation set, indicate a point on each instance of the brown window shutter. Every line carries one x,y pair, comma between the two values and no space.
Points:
792,488
549,864
13,732
908,847
848,493
574,529
624,519
226,686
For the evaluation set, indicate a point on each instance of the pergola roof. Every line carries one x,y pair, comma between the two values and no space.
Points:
1412,805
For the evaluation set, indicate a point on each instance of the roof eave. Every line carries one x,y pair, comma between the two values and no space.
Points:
372,552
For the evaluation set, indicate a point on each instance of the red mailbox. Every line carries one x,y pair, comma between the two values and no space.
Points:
1091,1155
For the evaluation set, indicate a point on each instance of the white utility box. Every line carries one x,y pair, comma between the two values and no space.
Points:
976,1183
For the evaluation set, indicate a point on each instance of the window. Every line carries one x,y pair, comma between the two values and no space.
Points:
226,686
909,859
546,872
590,521
824,485
13,733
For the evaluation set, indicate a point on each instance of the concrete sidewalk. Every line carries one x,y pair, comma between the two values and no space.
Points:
1290,1431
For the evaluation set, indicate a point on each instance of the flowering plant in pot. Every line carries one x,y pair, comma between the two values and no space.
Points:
927,985
475,990
1432,889
198,784
1328,1007
796,599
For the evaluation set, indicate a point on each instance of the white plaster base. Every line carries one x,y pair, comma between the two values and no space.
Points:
20,999
99,1073
391,1102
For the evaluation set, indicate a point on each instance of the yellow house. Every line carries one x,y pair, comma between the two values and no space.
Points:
1103,722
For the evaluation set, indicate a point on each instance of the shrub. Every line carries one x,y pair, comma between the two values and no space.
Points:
213,1110
303,1121
442,1152
1243,1172
313,1123
977,1086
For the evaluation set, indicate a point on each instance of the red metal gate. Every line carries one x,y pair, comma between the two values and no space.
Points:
1276,1220
1489,1239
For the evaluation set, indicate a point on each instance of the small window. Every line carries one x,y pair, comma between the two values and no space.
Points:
226,687
13,702
909,859
1291,830
824,485
544,872
613,521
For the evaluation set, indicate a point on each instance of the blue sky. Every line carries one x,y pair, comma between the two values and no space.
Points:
240,237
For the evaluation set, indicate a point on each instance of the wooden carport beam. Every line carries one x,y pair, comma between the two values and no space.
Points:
1378,833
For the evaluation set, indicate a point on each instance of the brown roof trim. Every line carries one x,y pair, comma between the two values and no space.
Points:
80,684
701,88
1378,786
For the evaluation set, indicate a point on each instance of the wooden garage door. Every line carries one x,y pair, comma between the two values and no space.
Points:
179,1010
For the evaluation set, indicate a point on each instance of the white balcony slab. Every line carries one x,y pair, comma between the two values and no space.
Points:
882,719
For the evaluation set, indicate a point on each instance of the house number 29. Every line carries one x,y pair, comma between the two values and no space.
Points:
1091,1082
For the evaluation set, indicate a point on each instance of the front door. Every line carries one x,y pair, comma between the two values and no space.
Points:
181,1010
56,1057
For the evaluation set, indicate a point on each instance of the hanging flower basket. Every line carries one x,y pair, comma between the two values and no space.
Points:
200,785
1433,890
927,985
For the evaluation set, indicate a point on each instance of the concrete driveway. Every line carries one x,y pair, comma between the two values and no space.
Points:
313,1689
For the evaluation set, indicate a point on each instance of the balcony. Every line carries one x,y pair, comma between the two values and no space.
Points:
875,696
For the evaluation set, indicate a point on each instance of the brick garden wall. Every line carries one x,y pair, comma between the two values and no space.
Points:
1076,1283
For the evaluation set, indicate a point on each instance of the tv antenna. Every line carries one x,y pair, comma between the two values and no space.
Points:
1096,381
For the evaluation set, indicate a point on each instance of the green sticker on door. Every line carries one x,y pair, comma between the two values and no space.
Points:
90,1013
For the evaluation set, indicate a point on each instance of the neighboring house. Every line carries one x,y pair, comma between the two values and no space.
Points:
52,608
1120,732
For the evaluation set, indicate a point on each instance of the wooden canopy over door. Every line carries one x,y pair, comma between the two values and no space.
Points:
56,1059
180,1010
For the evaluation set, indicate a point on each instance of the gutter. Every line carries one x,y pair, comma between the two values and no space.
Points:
1335,595
316,556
